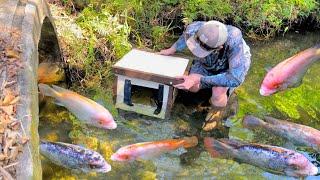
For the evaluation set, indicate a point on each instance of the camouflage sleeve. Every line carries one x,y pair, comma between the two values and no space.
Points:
191,29
180,44
238,65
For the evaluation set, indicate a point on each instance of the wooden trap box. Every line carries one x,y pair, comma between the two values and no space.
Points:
144,82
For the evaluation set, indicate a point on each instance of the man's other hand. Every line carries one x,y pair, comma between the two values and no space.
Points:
189,82
167,52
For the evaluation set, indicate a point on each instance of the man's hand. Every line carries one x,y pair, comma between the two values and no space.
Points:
189,82
167,52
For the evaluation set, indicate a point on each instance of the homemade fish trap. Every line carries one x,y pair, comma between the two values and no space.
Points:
144,82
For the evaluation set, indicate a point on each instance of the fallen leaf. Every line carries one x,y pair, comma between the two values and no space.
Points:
7,99
7,144
12,135
7,109
24,139
20,148
10,165
15,100
13,125
10,53
5,174
2,128
14,151
8,84
2,157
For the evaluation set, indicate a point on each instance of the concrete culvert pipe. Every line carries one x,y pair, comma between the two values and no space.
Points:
27,38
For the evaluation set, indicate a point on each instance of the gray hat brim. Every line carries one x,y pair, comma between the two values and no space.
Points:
196,49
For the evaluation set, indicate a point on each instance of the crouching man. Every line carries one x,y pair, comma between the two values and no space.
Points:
222,60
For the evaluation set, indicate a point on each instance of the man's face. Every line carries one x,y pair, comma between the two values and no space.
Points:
215,51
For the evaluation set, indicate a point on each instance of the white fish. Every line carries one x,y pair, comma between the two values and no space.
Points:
83,108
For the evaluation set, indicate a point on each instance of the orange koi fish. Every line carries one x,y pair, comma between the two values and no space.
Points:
147,150
50,73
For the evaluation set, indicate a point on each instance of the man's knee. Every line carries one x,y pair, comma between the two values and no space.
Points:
219,96
218,92
194,89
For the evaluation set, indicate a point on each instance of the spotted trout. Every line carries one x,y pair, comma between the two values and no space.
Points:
147,150
296,133
270,158
290,72
83,108
74,157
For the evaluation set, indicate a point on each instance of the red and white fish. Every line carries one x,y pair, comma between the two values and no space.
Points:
289,73
147,150
83,108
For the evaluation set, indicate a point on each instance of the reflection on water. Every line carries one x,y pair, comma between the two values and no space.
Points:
301,104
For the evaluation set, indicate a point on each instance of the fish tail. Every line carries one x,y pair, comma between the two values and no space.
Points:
190,142
48,91
318,50
217,148
252,122
43,141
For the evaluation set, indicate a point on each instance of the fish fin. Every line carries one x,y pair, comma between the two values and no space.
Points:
271,120
318,51
232,142
217,148
289,145
100,101
152,155
190,142
76,171
60,89
43,141
48,91
57,102
252,122
268,68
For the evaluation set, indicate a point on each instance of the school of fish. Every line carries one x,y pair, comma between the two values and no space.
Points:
278,160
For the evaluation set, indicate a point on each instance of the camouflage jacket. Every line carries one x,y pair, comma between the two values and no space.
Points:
229,66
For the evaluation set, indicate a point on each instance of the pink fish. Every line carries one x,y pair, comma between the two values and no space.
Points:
289,73
147,150
83,108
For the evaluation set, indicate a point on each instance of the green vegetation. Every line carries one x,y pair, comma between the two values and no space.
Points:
256,18
109,28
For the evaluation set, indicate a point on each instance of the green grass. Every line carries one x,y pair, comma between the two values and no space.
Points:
111,27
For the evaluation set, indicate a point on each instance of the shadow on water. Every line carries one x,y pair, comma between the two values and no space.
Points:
301,105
